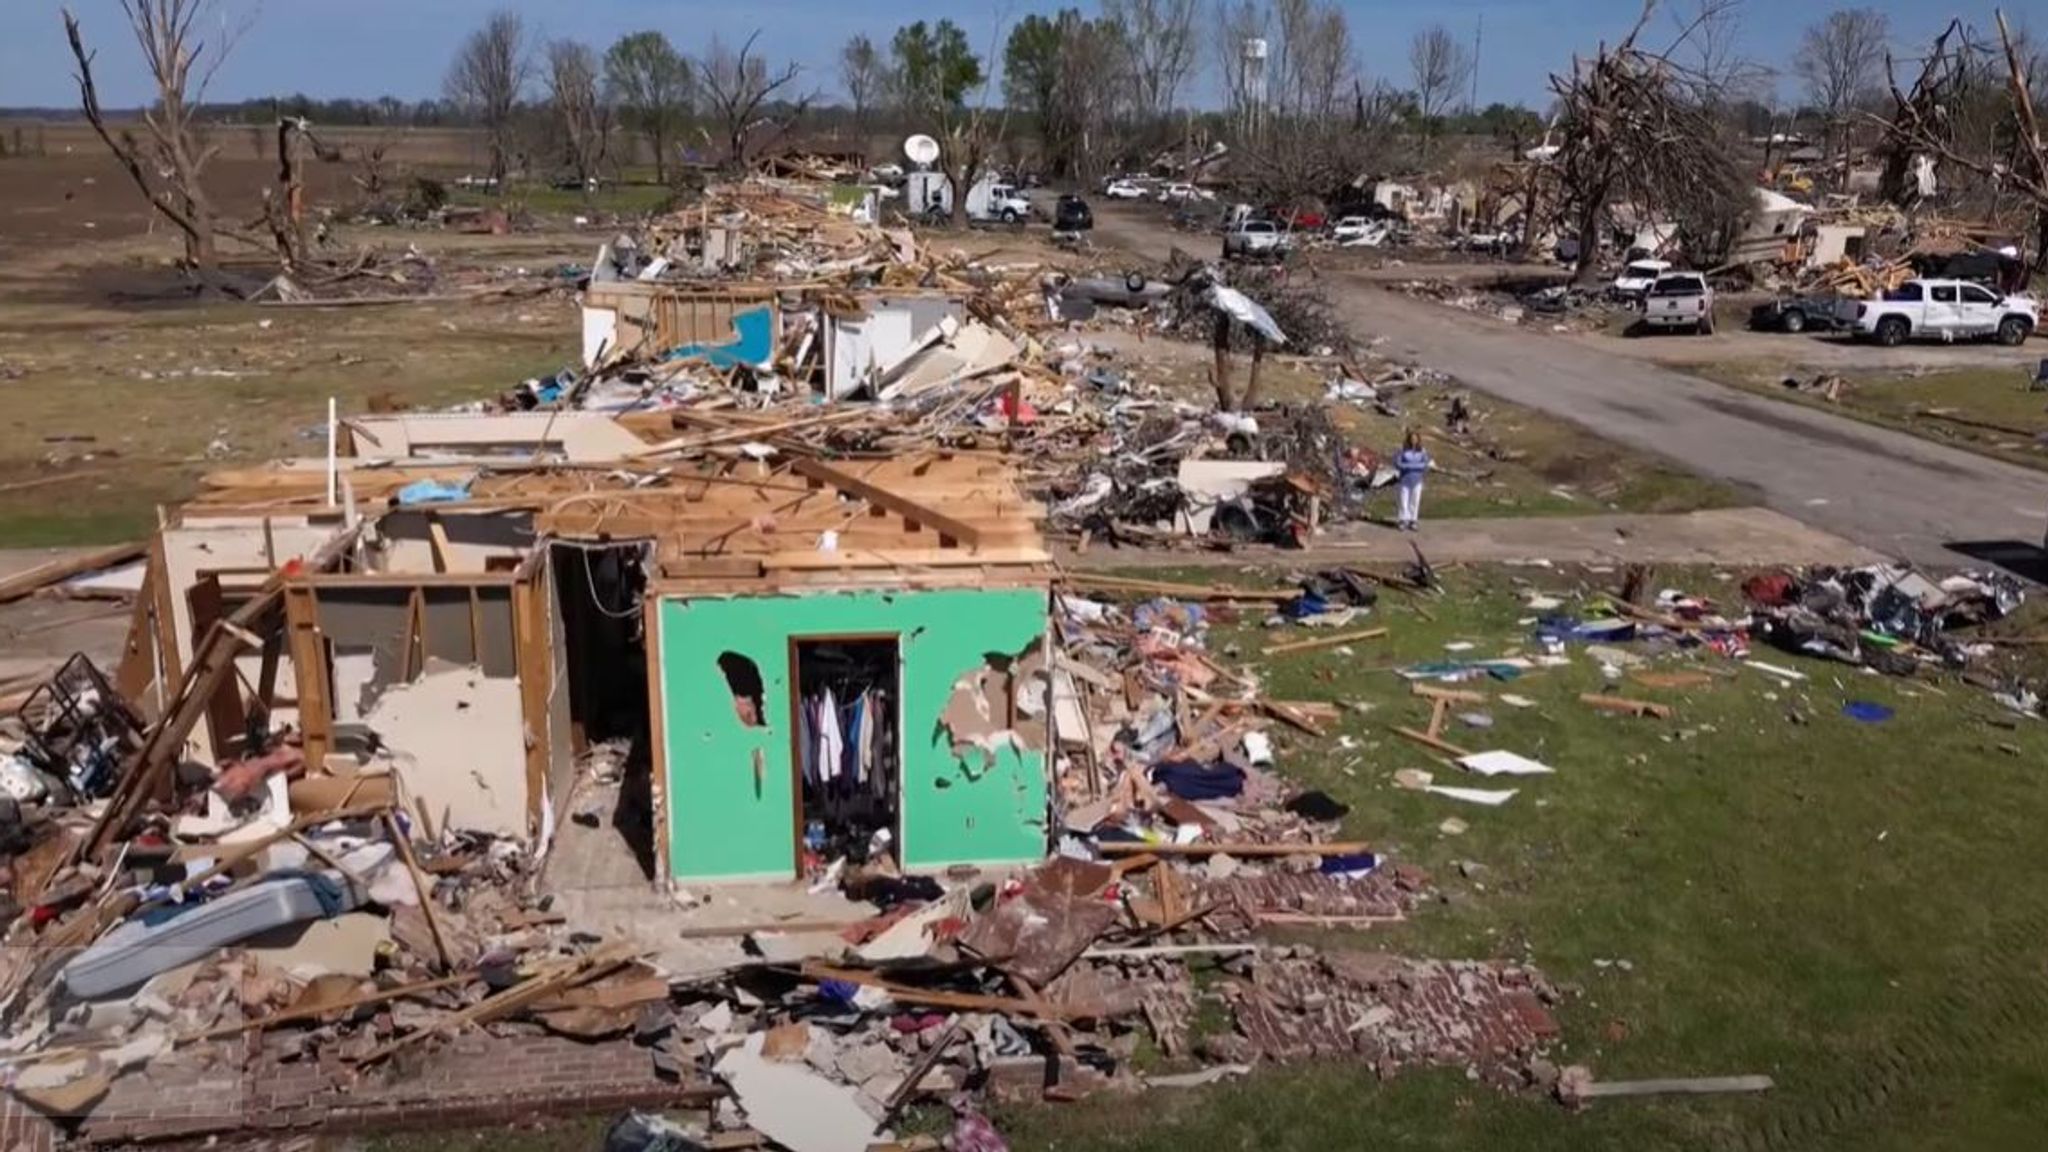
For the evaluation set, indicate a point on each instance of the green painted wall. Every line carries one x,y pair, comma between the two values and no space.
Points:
954,810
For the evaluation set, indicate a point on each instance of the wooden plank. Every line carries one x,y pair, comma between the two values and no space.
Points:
311,685
1624,704
805,560
141,649
1324,642
1281,711
403,843
437,537
226,719
1697,1086
1234,848
947,526
1428,741
530,655
1454,695
1100,582
657,785
36,579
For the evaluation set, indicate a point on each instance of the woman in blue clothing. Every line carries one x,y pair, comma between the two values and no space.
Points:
1411,464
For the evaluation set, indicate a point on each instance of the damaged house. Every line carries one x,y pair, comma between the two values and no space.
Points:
815,660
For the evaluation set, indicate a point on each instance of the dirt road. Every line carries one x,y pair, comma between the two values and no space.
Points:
1884,490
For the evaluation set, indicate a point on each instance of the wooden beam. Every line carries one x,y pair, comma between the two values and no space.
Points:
311,686
1428,741
1243,848
57,571
1324,642
437,536
947,526
1624,704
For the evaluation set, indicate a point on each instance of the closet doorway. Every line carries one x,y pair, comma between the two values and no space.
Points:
847,693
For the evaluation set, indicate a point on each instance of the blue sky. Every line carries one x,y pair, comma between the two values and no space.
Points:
367,48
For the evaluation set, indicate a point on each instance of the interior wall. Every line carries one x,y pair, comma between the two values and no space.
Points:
972,792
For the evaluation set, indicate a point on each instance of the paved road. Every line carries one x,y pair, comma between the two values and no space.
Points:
1885,490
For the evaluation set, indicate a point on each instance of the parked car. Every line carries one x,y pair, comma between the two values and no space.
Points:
887,173
1358,232
1123,190
1256,240
1942,310
1680,300
1176,191
1797,314
1492,243
1636,278
1072,214
997,202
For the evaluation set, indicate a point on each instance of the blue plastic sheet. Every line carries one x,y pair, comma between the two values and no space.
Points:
1867,712
432,492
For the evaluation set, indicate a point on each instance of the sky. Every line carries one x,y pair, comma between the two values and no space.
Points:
369,48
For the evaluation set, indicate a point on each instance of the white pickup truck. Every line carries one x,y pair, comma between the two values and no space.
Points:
1680,300
1941,310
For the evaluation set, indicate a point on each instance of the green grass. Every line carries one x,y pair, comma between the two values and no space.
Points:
1993,395
1848,908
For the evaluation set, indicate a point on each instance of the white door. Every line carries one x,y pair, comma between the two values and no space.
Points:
1979,310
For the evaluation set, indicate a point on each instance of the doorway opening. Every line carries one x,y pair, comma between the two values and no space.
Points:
847,695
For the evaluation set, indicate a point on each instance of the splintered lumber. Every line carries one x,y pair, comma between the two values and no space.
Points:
1243,848
1281,710
57,571
1429,741
1624,704
1454,695
1696,1086
292,1016
510,1000
1323,642
403,843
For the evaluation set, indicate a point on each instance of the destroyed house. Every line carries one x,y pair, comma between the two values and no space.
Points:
806,655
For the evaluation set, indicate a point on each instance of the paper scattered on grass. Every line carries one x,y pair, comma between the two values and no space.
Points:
1490,797
1516,701
1505,764
1460,646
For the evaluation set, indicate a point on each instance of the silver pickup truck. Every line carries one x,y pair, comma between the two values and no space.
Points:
1680,300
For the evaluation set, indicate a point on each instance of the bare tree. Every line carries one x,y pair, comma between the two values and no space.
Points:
1840,60
1944,118
1159,39
1639,127
739,87
865,75
487,77
168,162
1440,68
584,115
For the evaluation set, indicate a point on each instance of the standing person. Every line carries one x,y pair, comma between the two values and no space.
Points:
1412,463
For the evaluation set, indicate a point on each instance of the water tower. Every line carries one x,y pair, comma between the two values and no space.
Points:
1252,83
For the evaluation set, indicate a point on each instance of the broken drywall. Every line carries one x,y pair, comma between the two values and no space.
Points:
459,739
794,1106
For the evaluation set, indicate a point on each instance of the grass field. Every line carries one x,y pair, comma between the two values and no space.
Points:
1841,906
117,410
1990,409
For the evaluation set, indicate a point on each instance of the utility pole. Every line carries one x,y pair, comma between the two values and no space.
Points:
1478,33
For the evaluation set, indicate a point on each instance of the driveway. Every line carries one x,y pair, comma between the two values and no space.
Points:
1887,491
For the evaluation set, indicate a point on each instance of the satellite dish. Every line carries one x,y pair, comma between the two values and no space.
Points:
921,149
